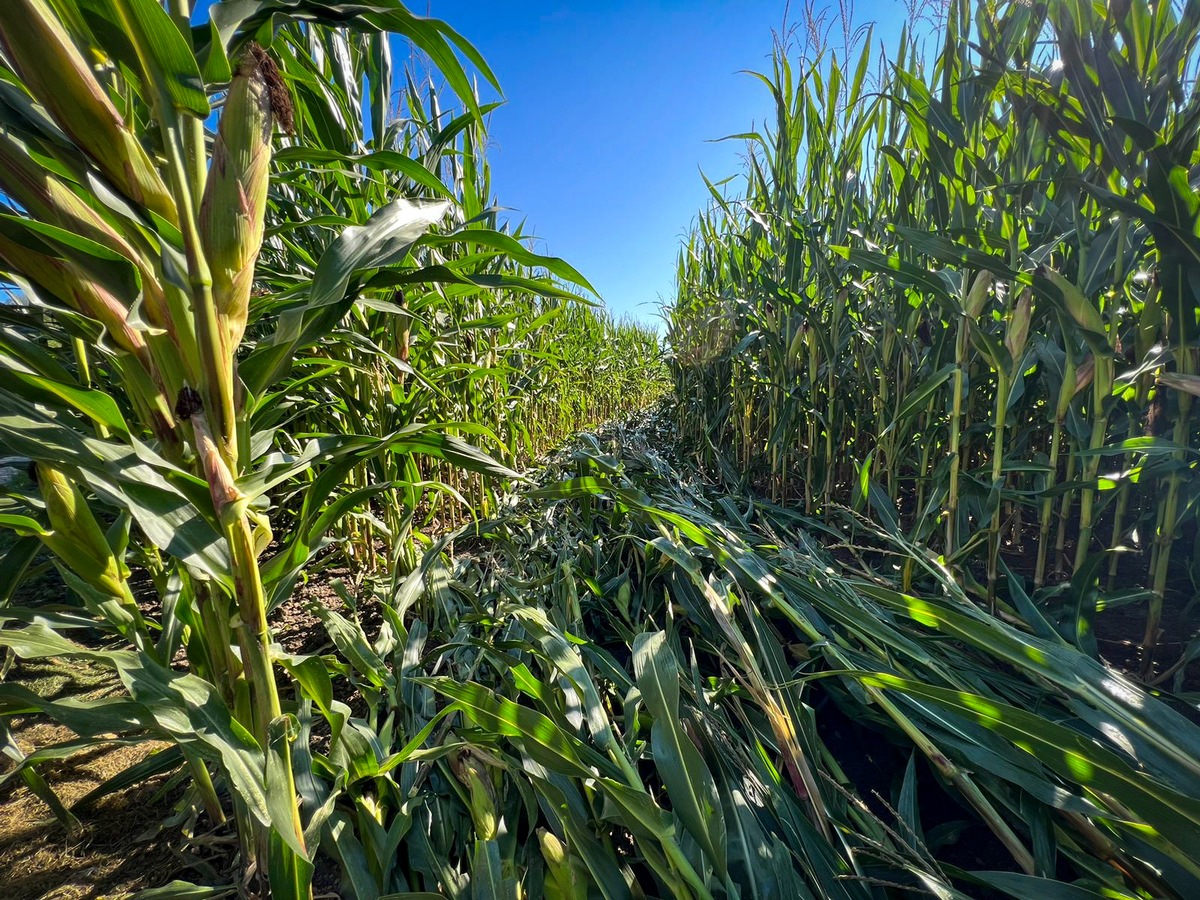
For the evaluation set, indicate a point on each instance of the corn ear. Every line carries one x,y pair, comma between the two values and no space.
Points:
60,79
565,879
1066,393
75,536
226,497
1017,335
48,198
624,595
474,775
1082,310
1149,324
61,280
76,289
235,197
977,296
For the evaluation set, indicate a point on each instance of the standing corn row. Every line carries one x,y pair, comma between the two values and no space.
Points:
133,239
962,295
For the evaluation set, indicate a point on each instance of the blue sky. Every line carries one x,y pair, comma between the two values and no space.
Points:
611,109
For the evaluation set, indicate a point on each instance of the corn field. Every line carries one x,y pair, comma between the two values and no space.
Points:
815,600
960,289
206,318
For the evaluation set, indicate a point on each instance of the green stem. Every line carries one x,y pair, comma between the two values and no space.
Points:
1002,390
1101,389
206,789
961,780
1039,573
192,130
960,353
1065,393
1165,537
1064,513
256,645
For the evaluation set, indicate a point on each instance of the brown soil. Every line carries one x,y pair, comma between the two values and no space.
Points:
120,845
297,628
123,843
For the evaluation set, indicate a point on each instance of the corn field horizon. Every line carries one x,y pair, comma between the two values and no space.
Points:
402,570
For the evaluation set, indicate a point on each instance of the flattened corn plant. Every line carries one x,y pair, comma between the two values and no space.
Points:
650,688
190,288
960,289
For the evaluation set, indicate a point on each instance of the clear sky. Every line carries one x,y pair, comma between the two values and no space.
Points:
611,109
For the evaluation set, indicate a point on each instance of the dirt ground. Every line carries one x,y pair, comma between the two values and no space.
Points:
120,845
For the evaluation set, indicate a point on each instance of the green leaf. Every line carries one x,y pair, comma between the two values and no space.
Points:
385,238
1022,886
379,161
1170,818
535,733
487,876
97,406
918,398
120,475
185,890
688,782
1181,381
512,249
167,60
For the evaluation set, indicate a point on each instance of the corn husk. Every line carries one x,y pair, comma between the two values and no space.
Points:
1017,335
76,289
476,778
235,197
49,199
75,536
565,878
977,296
1085,373
221,484
1079,307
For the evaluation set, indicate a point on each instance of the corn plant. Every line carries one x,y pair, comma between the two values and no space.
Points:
134,239
478,331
